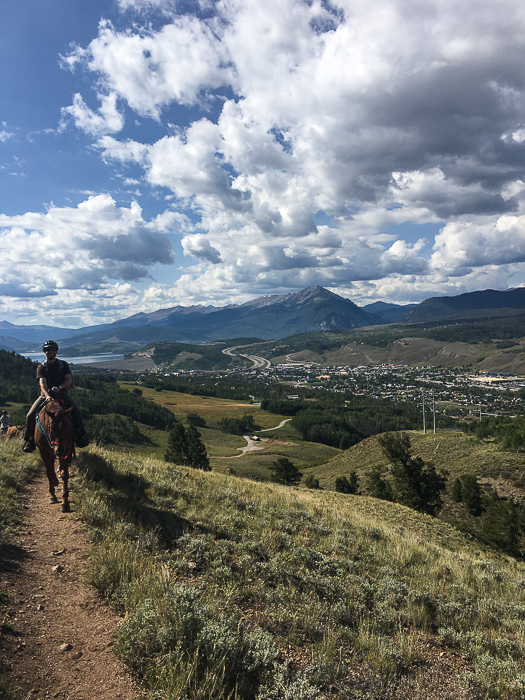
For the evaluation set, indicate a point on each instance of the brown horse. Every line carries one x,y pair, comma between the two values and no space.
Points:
14,431
54,439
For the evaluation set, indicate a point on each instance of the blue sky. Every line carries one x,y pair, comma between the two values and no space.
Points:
155,152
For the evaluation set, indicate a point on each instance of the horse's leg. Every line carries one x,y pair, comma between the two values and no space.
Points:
51,477
64,474
48,457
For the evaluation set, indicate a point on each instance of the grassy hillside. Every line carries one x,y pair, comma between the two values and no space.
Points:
234,589
455,452
237,589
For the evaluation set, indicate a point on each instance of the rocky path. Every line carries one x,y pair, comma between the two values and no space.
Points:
61,639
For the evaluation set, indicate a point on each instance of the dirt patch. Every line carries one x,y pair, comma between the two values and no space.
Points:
504,488
282,443
57,634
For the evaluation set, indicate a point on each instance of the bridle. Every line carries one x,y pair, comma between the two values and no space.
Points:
47,430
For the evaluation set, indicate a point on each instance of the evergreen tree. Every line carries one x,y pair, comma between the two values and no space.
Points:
471,494
378,486
197,455
501,524
285,472
312,482
344,485
457,490
416,483
177,451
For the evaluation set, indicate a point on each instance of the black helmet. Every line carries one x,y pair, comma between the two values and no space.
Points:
50,345
4,412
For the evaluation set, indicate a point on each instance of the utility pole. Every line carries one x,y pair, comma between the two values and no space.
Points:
434,409
424,422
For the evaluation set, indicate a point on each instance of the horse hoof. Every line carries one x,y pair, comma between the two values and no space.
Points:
66,508
53,500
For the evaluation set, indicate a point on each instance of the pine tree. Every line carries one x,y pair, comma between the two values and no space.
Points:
471,493
197,455
457,490
416,483
378,486
344,485
285,472
177,451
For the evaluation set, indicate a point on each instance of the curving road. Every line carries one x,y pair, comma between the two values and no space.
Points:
265,430
258,362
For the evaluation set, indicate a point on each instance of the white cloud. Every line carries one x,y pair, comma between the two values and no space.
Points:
79,248
199,247
381,114
107,120
464,245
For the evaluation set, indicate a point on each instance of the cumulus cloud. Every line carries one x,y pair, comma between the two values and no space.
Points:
377,114
107,120
84,247
199,247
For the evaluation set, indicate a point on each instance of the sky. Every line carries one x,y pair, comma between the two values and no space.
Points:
163,152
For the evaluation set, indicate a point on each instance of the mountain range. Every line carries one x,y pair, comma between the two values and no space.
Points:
269,318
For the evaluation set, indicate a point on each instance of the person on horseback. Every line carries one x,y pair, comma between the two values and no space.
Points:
54,378
5,422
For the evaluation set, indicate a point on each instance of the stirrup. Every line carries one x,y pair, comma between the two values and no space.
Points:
29,446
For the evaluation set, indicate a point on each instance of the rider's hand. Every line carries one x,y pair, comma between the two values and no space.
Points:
55,390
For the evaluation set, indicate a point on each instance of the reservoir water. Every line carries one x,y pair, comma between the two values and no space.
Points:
78,360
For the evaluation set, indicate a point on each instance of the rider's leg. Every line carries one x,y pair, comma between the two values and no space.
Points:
29,435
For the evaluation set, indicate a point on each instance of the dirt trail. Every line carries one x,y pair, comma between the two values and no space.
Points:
62,630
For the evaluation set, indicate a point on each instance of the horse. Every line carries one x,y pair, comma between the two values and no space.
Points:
54,439
14,431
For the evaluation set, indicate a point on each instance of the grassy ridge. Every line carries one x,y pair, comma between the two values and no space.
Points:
457,453
233,589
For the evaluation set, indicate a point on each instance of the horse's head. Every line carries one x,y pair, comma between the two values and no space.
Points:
58,428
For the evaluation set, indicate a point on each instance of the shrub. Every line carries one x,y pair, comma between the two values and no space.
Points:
344,485
285,472
311,482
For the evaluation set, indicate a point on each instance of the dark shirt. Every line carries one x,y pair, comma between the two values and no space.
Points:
54,372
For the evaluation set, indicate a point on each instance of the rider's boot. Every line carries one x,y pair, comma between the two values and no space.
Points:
29,446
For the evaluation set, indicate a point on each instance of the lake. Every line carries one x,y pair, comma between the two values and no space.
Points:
80,360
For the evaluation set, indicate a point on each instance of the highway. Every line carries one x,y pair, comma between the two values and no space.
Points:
258,362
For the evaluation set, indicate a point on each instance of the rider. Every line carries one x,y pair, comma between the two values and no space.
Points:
5,422
54,378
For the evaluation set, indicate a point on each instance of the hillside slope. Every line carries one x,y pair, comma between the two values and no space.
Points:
267,591
452,451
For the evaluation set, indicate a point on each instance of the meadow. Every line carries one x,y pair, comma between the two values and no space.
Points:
223,448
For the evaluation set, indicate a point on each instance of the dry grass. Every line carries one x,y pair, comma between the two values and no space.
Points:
357,598
211,409
455,452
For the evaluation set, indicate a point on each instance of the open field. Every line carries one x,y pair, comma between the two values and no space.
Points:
223,449
211,409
